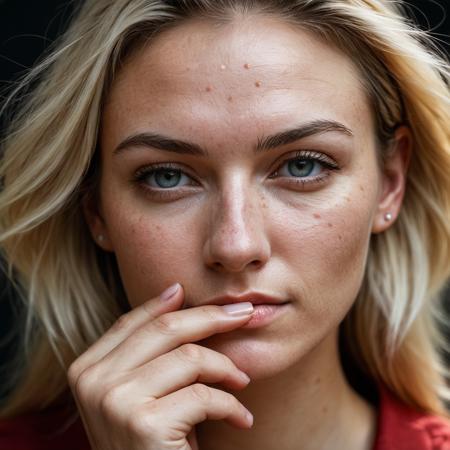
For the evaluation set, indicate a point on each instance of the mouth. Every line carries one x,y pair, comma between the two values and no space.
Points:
267,307
256,298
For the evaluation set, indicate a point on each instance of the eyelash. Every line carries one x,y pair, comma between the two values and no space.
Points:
165,194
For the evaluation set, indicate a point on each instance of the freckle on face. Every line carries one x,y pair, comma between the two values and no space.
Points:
317,216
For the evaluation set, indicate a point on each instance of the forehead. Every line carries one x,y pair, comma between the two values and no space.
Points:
254,68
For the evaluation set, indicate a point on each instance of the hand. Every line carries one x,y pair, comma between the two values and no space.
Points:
141,385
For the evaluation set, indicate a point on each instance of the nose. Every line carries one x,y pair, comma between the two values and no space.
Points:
236,238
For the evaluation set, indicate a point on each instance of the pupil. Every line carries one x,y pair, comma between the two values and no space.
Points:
164,177
301,168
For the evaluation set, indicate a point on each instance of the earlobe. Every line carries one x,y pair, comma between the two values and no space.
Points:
393,180
96,223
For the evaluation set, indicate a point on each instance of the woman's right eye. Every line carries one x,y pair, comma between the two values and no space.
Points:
162,177
162,180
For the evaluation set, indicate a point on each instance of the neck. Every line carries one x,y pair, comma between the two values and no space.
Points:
309,406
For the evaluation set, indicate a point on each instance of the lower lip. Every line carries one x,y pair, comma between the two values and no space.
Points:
264,314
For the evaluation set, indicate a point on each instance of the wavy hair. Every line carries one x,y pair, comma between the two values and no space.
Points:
70,287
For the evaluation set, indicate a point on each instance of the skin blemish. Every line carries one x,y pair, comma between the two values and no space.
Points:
330,224
317,380
361,188
317,216
246,66
258,83
340,237
324,409
230,98
208,89
223,67
347,199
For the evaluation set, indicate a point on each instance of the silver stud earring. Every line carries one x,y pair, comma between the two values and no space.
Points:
388,217
100,238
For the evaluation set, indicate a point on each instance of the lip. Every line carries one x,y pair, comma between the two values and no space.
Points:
256,298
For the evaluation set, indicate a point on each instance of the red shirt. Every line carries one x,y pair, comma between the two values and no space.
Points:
399,427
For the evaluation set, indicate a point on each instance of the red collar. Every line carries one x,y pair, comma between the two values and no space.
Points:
401,427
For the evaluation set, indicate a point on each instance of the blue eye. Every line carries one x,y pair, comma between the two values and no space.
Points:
163,177
302,167
307,166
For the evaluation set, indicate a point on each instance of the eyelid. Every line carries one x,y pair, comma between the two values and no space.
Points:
312,155
153,167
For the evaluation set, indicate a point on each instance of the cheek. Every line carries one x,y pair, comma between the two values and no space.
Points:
327,247
151,254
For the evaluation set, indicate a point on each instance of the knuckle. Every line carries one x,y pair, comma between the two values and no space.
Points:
211,313
201,392
73,373
142,424
112,401
122,323
167,324
191,352
84,381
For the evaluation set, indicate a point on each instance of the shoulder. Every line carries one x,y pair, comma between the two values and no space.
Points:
401,427
49,430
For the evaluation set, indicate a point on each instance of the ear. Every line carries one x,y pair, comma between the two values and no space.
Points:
393,179
96,223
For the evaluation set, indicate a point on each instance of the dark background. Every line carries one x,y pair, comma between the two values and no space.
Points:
28,27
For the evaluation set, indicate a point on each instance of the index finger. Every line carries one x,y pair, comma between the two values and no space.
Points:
170,299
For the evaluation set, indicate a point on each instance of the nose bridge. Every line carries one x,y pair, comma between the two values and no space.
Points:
236,235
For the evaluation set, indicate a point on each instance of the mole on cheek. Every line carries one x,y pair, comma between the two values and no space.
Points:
246,66
330,224
317,216
258,83
208,89
230,98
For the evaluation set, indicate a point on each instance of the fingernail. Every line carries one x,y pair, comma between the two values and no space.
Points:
170,292
249,417
238,309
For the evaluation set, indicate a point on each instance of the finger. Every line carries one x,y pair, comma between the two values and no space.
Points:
197,403
172,418
173,329
126,325
188,364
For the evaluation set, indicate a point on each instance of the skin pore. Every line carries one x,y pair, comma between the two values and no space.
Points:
235,220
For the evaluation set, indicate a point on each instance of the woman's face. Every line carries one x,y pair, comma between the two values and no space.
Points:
276,189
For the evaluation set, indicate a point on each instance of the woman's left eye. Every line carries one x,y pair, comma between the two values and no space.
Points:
307,167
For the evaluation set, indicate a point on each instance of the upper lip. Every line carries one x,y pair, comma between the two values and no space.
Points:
255,298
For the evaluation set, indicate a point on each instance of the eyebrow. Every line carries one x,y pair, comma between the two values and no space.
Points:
168,144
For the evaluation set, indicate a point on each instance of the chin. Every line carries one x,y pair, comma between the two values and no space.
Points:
258,359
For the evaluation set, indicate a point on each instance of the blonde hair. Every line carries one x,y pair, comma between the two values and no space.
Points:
70,287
